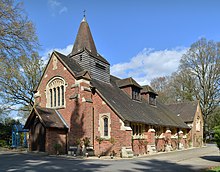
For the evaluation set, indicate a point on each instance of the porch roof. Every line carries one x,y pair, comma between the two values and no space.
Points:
50,118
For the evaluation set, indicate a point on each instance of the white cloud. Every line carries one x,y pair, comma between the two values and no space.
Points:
65,51
149,64
143,67
57,7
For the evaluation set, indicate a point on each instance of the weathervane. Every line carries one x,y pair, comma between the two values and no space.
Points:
84,13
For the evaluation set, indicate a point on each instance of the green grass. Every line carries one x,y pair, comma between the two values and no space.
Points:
214,169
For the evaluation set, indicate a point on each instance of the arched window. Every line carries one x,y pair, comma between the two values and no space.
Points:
105,126
55,92
198,123
62,95
51,98
58,94
55,96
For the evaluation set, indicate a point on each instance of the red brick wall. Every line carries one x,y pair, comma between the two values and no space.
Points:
67,76
122,138
150,137
77,114
145,97
139,146
128,91
55,136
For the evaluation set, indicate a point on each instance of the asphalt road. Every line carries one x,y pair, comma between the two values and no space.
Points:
180,161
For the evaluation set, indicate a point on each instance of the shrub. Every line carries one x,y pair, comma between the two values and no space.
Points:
86,141
3,143
217,136
57,147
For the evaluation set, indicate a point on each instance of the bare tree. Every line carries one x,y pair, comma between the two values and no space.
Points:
18,78
202,61
175,88
182,85
17,33
20,65
160,85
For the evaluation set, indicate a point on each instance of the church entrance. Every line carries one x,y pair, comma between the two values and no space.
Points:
38,137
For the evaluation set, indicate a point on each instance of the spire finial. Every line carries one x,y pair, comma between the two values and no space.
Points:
84,16
84,13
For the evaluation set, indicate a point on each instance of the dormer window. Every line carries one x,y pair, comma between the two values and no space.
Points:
135,93
130,87
148,95
152,99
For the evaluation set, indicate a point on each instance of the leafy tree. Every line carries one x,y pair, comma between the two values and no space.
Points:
202,61
213,119
217,136
6,129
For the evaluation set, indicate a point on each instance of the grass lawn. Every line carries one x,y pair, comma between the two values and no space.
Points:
214,169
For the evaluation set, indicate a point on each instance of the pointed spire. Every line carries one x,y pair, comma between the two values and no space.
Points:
84,39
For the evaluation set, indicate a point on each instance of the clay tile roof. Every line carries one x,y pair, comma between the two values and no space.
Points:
70,62
127,82
147,89
49,117
135,111
184,110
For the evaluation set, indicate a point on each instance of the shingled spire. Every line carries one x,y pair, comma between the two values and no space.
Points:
84,39
85,54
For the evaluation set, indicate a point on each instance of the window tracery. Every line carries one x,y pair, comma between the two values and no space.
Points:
55,91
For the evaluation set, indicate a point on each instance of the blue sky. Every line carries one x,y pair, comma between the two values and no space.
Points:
143,38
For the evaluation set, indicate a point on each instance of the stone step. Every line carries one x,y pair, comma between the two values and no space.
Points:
126,152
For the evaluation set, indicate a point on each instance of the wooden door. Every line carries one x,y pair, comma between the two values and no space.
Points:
38,137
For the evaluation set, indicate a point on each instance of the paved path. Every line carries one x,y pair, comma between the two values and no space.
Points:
180,161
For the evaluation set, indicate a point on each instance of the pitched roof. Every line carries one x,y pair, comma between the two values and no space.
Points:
70,62
127,82
72,65
147,89
185,110
135,111
84,42
50,118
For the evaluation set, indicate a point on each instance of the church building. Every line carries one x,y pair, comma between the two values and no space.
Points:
81,108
